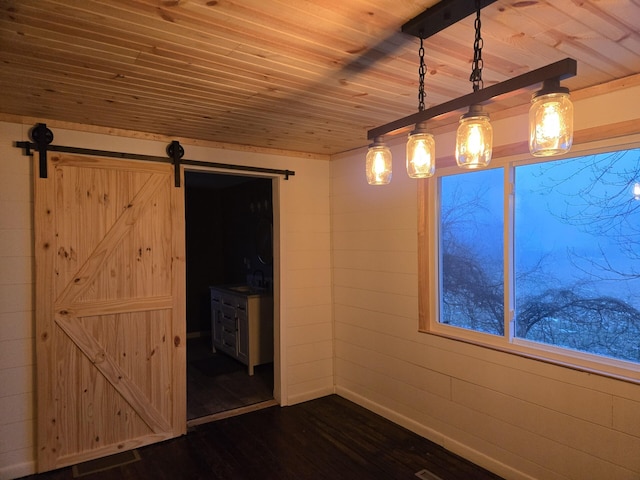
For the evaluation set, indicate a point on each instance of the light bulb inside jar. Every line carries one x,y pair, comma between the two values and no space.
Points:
378,163
550,121
421,155
474,139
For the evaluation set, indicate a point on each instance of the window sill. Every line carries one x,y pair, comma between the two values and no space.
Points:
608,368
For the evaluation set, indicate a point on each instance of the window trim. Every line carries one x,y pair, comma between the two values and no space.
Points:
428,281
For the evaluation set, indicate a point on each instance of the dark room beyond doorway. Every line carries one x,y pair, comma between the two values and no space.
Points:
229,221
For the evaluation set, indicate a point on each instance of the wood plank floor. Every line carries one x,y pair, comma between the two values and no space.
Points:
218,383
327,438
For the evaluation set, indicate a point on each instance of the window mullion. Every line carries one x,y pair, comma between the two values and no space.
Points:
509,281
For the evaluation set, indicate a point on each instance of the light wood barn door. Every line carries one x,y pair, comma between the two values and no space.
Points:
110,308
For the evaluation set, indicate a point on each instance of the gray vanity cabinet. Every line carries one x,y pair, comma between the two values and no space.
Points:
242,326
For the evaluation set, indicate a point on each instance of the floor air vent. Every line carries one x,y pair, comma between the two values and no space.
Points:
427,475
105,463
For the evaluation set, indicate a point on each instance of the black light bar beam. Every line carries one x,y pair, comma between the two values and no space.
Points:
559,70
442,15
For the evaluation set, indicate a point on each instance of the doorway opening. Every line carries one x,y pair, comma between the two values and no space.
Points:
229,251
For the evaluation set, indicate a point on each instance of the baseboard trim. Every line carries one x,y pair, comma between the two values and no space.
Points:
18,470
429,433
310,395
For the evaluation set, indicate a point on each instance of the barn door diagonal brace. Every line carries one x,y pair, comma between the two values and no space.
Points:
43,137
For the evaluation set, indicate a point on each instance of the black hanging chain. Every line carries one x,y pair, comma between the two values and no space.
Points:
476,72
421,73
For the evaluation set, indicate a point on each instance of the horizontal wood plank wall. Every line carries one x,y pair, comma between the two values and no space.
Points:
306,280
305,312
17,358
520,418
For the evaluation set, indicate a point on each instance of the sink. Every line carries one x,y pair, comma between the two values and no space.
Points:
248,289
241,288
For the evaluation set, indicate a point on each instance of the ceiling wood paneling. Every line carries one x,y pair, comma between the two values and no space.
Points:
301,75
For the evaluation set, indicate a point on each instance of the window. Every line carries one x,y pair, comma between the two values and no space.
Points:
471,248
540,258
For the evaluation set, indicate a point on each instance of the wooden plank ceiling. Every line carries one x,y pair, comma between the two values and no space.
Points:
300,75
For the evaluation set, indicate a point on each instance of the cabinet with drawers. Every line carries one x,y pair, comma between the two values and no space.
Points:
242,325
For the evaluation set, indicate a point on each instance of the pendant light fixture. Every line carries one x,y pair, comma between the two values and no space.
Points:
421,147
474,139
378,163
550,120
550,115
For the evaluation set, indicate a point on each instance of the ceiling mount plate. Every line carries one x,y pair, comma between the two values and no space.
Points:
442,15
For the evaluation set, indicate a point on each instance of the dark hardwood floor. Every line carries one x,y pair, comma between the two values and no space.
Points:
327,438
218,383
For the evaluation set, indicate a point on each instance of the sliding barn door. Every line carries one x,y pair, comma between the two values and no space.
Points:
110,316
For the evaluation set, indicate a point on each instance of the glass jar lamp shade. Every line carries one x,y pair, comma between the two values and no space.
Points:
474,139
378,163
421,153
550,122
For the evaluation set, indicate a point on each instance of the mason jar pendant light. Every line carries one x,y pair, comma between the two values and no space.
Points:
421,153
474,139
378,163
550,120
421,147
